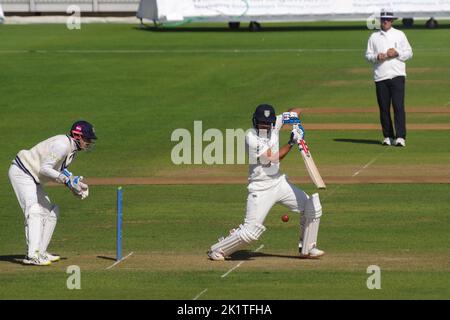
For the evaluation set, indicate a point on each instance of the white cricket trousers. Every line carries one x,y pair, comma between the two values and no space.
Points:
259,203
40,214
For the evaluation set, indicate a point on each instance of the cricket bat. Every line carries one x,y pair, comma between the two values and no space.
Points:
310,165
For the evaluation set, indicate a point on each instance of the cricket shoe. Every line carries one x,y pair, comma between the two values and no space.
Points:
386,142
215,256
36,260
51,257
400,142
314,253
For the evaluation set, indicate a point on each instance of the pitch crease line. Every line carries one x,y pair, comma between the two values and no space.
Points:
239,264
117,262
367,165
355,174
200,294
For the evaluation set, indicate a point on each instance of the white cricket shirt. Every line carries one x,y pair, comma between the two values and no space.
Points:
380,42
263,174
45,161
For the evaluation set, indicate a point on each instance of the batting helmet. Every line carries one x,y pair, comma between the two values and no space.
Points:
264,114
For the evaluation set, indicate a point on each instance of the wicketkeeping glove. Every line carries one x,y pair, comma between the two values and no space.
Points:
75,184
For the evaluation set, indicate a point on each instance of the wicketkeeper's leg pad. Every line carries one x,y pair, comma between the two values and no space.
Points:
48,226
245,234
34,216
310,223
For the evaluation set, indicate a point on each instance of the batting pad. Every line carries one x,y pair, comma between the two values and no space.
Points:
313,212
238,238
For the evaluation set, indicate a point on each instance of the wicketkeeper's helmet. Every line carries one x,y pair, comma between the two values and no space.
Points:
84,129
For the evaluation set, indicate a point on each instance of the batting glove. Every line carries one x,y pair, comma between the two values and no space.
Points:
290,118
297,134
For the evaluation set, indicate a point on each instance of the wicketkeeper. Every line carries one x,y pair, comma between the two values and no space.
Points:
31,169
267,186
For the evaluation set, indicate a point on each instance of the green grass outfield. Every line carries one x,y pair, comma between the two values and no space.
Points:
138,85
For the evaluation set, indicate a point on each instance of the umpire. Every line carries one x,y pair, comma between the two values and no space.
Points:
388,49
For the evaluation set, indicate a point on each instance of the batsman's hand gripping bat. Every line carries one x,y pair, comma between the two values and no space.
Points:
292,118
310,164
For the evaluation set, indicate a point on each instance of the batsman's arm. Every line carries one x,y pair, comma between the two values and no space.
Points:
297,134
278,156
284,151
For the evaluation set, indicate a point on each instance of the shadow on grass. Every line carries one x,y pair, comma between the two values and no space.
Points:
106,258
13,258
361,141
249,255
17,258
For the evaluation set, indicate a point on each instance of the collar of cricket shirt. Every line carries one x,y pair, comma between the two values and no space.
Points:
386,32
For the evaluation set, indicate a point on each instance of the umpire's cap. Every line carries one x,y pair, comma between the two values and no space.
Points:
387,14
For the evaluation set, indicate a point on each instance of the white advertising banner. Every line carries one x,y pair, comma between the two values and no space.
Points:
287,10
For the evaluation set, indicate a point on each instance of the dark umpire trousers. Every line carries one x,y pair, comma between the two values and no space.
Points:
387,91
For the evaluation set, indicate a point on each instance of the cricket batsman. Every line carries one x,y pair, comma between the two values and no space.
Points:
31,169
267,186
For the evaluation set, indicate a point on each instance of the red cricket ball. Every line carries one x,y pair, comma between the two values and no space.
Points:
285,218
